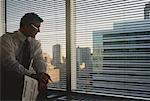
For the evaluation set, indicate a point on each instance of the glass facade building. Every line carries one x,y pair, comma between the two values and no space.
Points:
125,59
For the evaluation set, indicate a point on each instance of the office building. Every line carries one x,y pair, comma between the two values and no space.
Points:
126,59
147,11
84,68
57,58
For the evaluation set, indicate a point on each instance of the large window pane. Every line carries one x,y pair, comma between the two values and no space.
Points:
51,36
113,47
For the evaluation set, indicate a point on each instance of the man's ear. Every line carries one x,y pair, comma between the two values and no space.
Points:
25,30
26,27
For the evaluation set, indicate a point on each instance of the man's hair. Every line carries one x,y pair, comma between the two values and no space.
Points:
30,18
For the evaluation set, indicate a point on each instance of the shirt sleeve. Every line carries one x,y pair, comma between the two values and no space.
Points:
8,58
39,64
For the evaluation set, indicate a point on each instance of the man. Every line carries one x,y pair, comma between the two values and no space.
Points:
17,51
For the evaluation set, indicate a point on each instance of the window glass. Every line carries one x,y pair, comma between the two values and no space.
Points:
51,35
112,43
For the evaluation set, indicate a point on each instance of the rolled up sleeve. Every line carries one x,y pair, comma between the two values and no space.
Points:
39,64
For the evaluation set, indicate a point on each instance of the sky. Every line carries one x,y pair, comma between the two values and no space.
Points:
90,15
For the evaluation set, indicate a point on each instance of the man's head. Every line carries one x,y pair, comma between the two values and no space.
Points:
30,24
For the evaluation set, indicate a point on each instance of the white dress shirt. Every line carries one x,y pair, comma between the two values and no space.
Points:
11,44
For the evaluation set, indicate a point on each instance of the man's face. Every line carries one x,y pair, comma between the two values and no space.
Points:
33,29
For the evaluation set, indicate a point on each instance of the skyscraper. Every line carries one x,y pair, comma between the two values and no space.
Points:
147,11
126,59
83,56
84,68
57,58
97,52
57,62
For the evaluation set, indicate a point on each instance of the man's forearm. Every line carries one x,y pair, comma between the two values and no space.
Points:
16,67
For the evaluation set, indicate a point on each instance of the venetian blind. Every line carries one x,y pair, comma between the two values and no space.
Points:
113,47
2,17
51,35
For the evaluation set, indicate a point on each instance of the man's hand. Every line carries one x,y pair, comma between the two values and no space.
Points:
42,79
42,87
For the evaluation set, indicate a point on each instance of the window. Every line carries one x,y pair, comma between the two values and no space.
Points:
117,34
109,43
52,34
